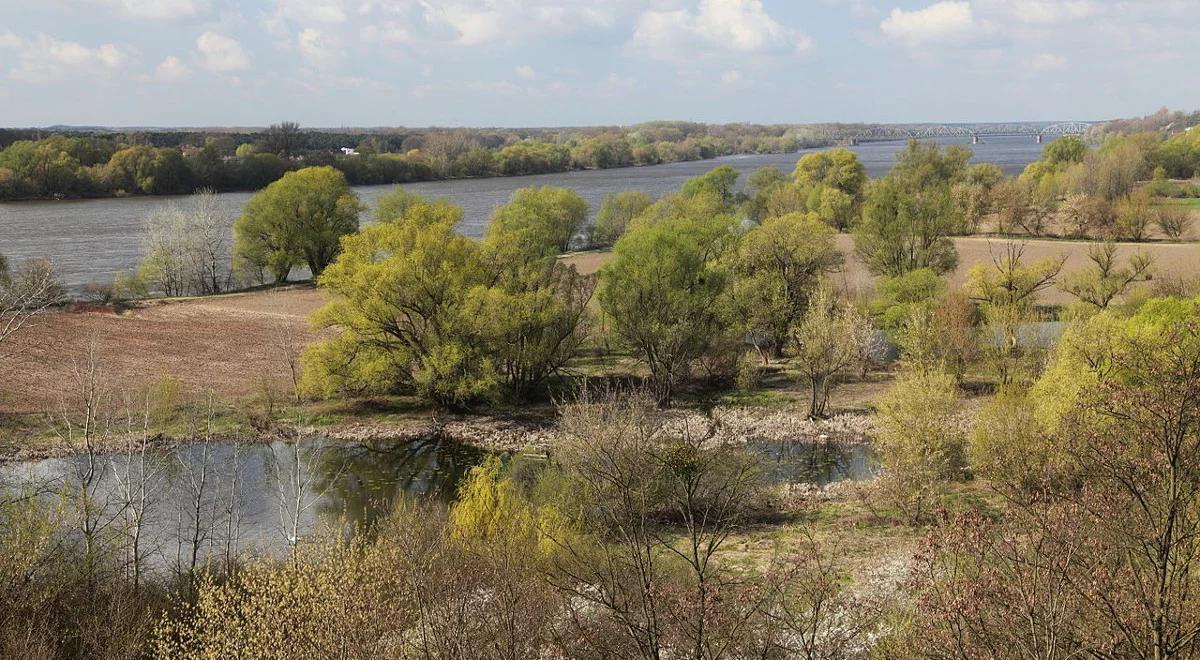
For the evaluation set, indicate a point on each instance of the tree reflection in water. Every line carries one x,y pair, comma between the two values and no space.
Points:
336,483
818,463
360,483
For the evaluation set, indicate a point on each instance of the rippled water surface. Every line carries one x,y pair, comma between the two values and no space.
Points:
256,496
90,240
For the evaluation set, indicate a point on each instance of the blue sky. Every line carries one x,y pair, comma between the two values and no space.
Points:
585,62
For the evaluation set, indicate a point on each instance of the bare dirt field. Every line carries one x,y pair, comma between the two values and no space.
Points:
234,344
1170,259
231,344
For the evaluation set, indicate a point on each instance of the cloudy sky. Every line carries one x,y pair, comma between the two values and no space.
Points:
577,62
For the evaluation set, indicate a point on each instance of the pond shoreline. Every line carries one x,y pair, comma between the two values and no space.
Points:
494,433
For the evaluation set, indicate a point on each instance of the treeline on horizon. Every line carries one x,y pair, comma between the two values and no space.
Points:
34,165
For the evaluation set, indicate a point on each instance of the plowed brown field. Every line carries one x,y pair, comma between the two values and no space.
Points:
230,344
233,344
1174,259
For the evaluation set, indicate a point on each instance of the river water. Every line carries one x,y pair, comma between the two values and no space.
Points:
252,499
90,240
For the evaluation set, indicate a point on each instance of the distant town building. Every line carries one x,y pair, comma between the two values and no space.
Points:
349,151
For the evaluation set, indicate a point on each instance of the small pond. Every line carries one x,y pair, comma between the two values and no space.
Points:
253,498
819,463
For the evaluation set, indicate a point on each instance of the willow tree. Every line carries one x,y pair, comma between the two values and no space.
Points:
829,338
299,219
663,293
398,307
839,169
533,316
777,266
543,220
910,214
615,214
420,308
906,228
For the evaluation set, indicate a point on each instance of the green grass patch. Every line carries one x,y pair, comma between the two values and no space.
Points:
380,409
765,398
1189,202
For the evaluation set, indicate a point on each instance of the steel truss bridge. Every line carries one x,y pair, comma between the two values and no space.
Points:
977,132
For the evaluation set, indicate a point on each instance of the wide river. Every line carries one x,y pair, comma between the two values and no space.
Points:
90,240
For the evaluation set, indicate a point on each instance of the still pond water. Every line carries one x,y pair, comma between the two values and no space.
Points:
90,240
260,494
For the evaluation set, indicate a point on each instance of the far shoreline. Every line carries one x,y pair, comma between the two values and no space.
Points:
88,198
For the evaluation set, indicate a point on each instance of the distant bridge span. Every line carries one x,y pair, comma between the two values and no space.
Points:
927,131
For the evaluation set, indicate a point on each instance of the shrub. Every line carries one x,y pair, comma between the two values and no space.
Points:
920,440
1173,221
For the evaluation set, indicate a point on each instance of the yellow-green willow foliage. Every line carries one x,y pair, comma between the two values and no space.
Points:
407,588
418,308
920,439
492,510
1010,448
328,603
399,288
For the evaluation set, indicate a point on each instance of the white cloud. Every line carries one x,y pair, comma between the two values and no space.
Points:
1050,11
473,26
858,8
1043,34
318,48
476,22
525,71
480,22
1047,61
45,58
171,70
220,53
305,12
937,22
716,26
143,9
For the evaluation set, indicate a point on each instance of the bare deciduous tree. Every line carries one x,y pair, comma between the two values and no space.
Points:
196,520
1173,221
25,294
831,337
186,249
297,488
809,611
84,424
136,471
1105,280
640,482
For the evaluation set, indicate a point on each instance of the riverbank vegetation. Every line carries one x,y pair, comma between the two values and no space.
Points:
103,164
984,535
1038,479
